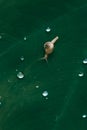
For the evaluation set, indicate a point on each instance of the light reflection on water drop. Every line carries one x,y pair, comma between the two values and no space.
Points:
20,75
16,69
46,98
22,58
85,61
37,86
0,37
45,93
0,103
81,74
48,29
25,38
84,116
9,81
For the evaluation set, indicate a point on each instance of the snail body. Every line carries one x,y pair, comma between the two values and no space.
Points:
49,47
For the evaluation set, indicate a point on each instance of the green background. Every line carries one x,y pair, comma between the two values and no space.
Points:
22,105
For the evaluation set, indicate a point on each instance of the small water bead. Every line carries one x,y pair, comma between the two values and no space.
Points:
20,75
85,61
48,29
0,103
84,116
0,36
37,86
46,98
81,74
25,38
16,69
8,80
45,93
22,58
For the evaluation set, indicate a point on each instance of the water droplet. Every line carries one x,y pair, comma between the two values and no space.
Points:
16,69
9,81
37,86
0,37
84,116
22,58
48,29
81,74
0,103
25,38
20,75
85,61
46,98
45,93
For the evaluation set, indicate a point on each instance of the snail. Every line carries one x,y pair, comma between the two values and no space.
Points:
49,48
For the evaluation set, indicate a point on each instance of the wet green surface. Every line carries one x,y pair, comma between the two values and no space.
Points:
23,106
